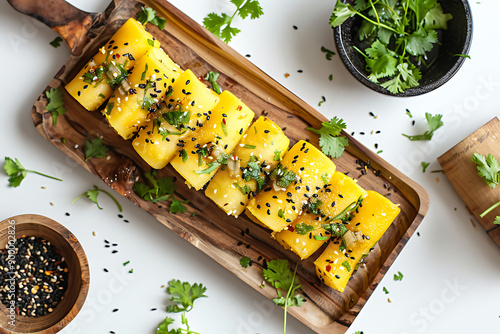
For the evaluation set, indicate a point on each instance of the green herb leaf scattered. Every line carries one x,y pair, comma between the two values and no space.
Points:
283,176
424,166
346,265
95,148
277,155
330,142
328,54
245,261
55,104
92,195
17,172
149,15
398,276
220,25
303,228
56,42
434,123
385,290
488,168
184,295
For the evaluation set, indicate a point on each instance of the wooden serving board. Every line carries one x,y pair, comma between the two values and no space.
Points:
462,173
224,238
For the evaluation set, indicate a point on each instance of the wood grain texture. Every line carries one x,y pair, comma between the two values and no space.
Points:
78,274
218,235
462,173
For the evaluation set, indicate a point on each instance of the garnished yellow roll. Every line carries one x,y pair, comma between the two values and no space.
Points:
128,108
301,174
181,113
259,152
105,71
335,202
335,266
210,146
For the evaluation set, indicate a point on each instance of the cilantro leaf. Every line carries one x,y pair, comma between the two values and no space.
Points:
341,12
497,220
424,166
331,144
55,104
245,261
212,78
95,148
220,25
434,123
398,276
283,176
92,195
488,168
149,15
385,290
178,206
346,265
56,42
17,172
252,171
420,42
436,18
163,327
184,295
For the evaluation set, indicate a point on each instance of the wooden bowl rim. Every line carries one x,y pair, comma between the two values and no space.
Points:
80,254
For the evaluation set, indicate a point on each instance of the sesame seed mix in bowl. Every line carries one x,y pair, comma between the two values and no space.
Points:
38,272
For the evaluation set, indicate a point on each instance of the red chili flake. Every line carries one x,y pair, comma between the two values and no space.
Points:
224,121
290,228
225,204
201,79
117,55
328,268
239,108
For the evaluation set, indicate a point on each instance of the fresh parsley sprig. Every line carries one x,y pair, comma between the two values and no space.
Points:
55,104
220,25
149,15
488,168
434,122
92,195
330,141
17,172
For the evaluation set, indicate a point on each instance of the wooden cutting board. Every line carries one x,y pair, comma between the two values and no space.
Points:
224,238
462,173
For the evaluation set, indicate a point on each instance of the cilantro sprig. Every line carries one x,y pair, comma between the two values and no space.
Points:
92,195
160,189
280,276
488,168
220,25
399,34
17,173
183,296
434,122
149,15
330,141
95,148
55,104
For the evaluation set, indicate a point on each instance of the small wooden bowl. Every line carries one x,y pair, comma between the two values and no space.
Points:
78,274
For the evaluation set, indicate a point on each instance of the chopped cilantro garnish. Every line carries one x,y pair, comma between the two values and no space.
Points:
398,276
434,123
212,78
277,155
346,265
245,261
55,104
95,148
330,142
303,228
283,176
149,15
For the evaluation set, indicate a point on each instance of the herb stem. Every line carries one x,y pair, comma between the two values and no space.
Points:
380,24
114,199
50,177
491,208
288,296
375,11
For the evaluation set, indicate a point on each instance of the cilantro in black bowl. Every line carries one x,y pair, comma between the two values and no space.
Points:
405,47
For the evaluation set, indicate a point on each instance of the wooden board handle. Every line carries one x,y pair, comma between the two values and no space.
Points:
67,20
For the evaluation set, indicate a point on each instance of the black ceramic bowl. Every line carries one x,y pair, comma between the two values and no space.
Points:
455,40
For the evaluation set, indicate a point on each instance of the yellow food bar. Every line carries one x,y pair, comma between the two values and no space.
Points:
340,193
209,148
127,110
265,144
182,113
90,87
334,267
281,203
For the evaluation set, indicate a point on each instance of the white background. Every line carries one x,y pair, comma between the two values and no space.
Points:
451,272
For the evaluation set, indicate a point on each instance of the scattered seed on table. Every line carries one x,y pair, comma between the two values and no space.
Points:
115,310
295,27
248,55
114,252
